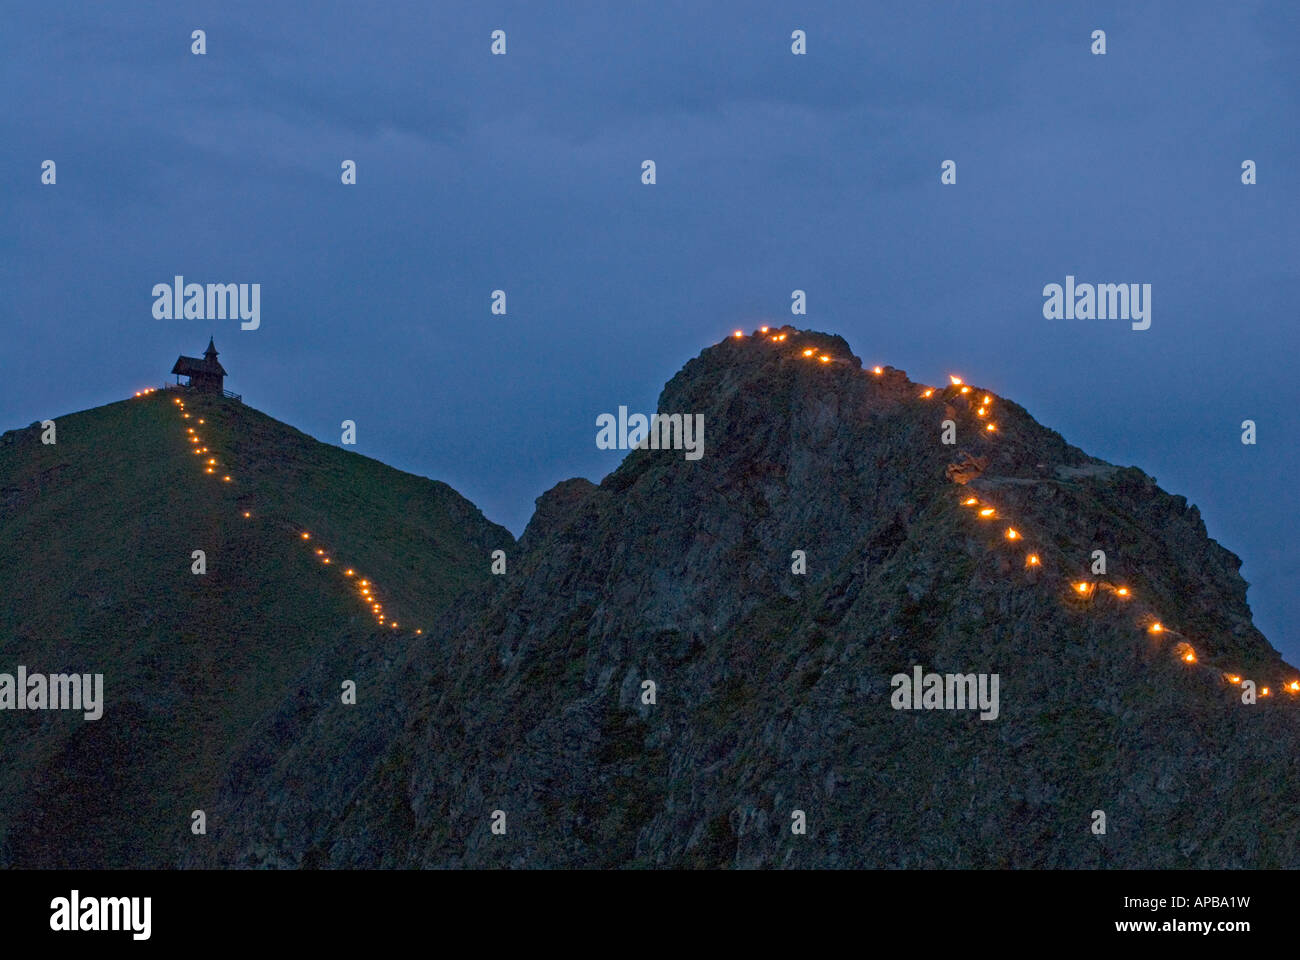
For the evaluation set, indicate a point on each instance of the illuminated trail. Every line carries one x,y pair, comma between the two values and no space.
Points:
367,592
1082,591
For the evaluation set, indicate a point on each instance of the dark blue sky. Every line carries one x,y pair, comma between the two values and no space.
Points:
775,172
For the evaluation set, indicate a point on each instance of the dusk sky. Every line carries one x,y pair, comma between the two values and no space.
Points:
774,172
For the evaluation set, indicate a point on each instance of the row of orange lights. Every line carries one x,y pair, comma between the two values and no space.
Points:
1084,588
964,388
365,589
367,593
1156,628
1011,533
982,411
808,352
210,467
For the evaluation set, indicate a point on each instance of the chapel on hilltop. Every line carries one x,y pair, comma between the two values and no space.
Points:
206,374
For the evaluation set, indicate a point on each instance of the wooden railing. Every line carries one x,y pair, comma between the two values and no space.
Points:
228,394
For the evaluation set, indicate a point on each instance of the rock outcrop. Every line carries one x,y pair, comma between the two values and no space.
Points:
772,688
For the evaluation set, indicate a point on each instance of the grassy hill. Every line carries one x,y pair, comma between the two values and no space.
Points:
96,536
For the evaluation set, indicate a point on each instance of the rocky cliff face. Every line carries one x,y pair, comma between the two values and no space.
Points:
772,688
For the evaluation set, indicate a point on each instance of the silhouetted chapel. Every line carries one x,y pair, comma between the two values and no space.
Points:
206,375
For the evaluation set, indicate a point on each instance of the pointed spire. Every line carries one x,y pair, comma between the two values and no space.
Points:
211,352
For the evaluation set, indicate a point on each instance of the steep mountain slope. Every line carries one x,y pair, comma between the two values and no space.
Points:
773,689
1118,692
96,538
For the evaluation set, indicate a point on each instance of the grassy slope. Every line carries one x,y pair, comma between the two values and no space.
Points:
96,534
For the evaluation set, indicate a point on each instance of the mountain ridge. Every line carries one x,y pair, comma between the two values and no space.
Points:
774,688
526,695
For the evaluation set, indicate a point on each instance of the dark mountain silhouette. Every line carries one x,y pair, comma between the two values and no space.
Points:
524,693
96,536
